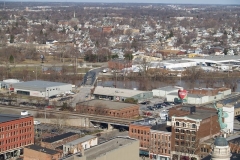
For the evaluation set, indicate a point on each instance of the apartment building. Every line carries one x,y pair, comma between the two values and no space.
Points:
155,139
16,132
191,127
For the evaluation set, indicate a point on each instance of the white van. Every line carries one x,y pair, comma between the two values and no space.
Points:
36,122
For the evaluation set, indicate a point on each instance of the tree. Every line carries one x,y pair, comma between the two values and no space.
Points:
11,59
131,100
11,38
225,51
171,34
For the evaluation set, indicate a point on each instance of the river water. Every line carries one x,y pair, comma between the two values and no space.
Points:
158,84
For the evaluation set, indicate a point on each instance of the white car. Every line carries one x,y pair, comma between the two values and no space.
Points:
36,122
104,70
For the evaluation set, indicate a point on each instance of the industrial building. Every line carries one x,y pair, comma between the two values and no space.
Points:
119,94
164,91
195,96
171,64
16,132
42,153
108,108
208,60
58,140
119,148
41,88
77,145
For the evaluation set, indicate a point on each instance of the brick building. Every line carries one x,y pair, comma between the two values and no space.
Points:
108,108
154,138
16,131
34,152
119,64
160,142
191,127
59,140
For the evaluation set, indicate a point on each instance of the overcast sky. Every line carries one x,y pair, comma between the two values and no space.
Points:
144,1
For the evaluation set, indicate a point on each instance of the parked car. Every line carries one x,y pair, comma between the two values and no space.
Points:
36,122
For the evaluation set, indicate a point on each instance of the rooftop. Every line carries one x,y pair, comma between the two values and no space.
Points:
162,127
9,117
42,149
216,58
81,140
58,137
100,90
234,156
108,146
168,88
37,85
107,104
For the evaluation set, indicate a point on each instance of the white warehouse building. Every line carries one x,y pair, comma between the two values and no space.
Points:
42,88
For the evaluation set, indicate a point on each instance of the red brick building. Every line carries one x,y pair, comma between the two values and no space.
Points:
16,131
34,152
191,127
108,108
119,64
59,140
155,139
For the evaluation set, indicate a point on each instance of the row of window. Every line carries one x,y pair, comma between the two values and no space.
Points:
15,145
158,144
161,151
185,150
187,138
13,133
185,125
15,126
139,131
163,137
16,139
185,131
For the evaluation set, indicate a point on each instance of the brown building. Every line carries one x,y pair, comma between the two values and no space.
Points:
155,139
160,141
108,108
59,140
191,126
119,64
16,132
34,152
107,29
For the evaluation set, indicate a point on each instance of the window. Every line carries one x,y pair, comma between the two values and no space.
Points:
182,137
177,136
182,131
184,124
177,130
177,123
193,138
193,132
193,125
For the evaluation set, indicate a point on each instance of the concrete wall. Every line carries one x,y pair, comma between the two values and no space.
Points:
79,122
126,152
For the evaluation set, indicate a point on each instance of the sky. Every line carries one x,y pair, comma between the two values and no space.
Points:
143,1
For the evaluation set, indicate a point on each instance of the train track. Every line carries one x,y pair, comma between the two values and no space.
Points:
97,118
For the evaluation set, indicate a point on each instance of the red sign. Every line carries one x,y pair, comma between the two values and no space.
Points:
182,93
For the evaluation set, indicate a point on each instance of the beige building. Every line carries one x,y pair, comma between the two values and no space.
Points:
120,148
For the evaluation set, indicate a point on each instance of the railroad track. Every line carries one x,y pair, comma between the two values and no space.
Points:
98,118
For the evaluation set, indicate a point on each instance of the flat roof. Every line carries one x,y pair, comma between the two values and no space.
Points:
10,117
37,85
81,140
108,91
107,104
58,137
162,127
42,149
215,58
200,114
168,88
108,146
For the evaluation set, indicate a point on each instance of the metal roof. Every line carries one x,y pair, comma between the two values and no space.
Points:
215,58
108,91
81,140
37,85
